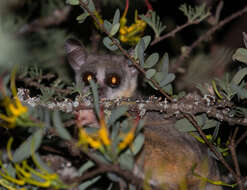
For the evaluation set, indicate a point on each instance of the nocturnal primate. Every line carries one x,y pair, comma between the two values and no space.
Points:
172,158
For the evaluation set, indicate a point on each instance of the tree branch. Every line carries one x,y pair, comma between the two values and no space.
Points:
191,118
173,32
189,49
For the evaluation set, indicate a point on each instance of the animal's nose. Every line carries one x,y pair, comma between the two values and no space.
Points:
102,91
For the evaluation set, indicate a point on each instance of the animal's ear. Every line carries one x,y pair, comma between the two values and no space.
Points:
76,53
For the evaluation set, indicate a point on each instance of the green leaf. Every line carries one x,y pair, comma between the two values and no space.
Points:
107,26
126,161
165,63
90,5
168,79
240,55
116,17
150,73
239,76
72,2
117,113
154,23
86,166
11,170
147,40
94,89
151,84
28,147
241,92
41,163
115,134
82,17
198,13
113,177
110,186
109,44
138,144
140,51
159,77
151,60
114,29
59,127
88,183
168,89
140,126
100,157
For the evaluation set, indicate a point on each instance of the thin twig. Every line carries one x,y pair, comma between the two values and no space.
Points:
210,145
125,53
189,49
173,32
242,137
232,147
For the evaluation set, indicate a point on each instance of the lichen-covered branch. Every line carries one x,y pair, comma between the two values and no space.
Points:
192,104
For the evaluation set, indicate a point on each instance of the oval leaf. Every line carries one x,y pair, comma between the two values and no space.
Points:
168,89
138,144
150,73
114,29
126,161
140,51
168,79
239,76
109,44
151,60
147,40
89,182
72,2
28,147
240,55
116,114
81,18
151,84
107,26
116,17
59,127
86,166
159,76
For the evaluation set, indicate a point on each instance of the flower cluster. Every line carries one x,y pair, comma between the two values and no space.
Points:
26,175
15,113
101,141
133,33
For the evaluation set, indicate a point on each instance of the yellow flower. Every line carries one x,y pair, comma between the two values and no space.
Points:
26,174
85,139
128,139
133,33
103,132
98,140
15,111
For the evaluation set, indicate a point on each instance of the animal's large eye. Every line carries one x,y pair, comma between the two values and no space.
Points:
87,76
113,80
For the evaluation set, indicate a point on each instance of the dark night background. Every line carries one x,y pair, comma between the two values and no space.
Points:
212,59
